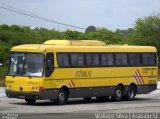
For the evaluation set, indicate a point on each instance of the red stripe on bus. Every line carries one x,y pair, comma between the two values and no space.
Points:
72,83
140,76
136,79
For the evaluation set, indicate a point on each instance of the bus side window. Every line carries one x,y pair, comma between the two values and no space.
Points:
88,58
92,59
135,59
49,64
138,59
63,59
110,59
121,59
149,59
77,59
104,59
132,57
95,59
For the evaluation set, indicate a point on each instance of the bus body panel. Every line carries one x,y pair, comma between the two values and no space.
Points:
95,77
23,84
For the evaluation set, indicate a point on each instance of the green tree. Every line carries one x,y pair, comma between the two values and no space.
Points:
90,29
148,31
105,35
127,32
72,35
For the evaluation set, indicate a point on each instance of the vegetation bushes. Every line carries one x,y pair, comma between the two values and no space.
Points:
3,71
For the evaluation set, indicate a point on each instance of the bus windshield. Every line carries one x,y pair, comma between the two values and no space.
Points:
26,64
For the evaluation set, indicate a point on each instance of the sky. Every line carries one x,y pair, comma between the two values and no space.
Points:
110,14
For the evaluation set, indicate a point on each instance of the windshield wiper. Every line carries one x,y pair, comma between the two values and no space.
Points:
13,75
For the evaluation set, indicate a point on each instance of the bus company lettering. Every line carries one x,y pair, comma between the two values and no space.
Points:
81,73
147,70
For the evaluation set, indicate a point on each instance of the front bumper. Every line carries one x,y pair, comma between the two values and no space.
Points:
46,94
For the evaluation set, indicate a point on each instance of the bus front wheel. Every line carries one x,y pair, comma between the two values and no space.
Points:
30,101
62,97
118,94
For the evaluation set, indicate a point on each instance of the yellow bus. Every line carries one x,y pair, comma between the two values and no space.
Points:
60,69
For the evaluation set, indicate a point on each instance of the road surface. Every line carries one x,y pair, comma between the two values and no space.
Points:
78,108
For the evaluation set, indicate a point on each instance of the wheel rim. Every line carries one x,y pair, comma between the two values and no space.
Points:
62,96
118,93
131,93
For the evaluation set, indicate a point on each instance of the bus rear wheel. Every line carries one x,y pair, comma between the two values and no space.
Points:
62,97
30,101
118,94
131,93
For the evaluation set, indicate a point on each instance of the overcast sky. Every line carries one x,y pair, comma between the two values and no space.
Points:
111,14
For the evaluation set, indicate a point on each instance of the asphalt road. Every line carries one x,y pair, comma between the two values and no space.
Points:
78,108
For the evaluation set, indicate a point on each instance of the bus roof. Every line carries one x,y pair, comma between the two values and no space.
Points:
75,42
80,46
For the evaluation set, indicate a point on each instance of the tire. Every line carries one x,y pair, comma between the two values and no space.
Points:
118,94
87,98
62,97
131,93
102,99
30,101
